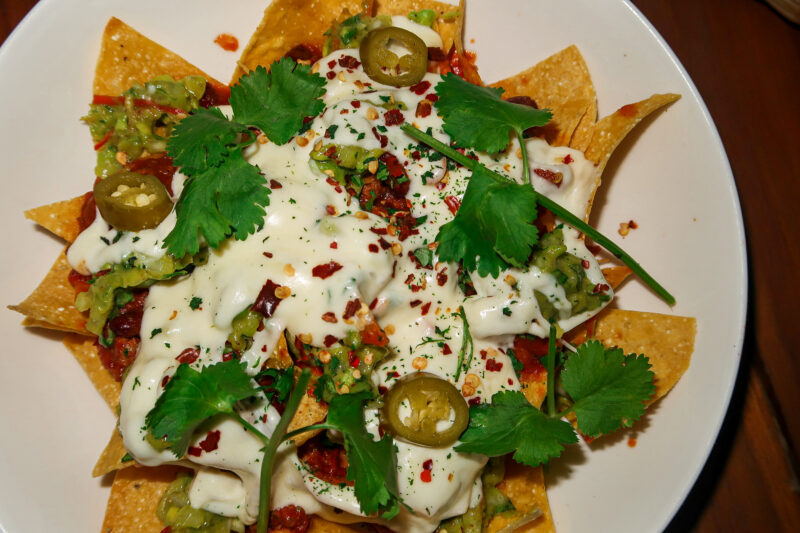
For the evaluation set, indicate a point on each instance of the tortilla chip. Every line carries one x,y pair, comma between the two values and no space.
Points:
85,351
582,135
111,458
560,83
288,23
668,341
309,412
524,486
51,304
127,57
60,218
610,130
134,498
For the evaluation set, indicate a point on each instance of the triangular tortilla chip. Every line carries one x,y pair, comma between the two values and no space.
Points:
560,83
51,304
134,498
524,486
60,218
127,56
111,458
610,130
668,341
583,132
85,351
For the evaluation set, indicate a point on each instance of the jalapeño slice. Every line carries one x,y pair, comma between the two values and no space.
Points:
132,202
383,65
432,402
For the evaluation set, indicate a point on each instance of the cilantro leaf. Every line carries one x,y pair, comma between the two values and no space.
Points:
277,101
476,117
218,202
372,465
493,227
204,139
511,424
191,397
608,387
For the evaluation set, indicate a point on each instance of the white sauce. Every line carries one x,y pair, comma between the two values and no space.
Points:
297,235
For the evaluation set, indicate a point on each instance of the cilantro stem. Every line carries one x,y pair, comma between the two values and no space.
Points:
249,427
551,372
272,447
557,210
466,340
526,170
296,432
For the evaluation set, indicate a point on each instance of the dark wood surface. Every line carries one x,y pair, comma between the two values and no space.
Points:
745,60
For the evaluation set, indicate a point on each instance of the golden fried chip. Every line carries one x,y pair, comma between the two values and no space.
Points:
582,135
111,458
668,341
560,83
85,351
128,57
524,486
309,412
60,218
134,498
610,130
289,23
51,305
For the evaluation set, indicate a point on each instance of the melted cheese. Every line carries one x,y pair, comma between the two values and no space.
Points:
414,304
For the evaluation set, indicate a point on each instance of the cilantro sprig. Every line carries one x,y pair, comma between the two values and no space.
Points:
542,200
608,390
477,117
225,195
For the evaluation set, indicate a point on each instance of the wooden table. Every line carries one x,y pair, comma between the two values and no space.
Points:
745,60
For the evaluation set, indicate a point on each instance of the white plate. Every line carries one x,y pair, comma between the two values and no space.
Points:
671,176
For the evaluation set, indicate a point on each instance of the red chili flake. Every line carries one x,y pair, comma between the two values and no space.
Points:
421,87
600,287
452,203
393,117
632,442
188,356
330,152
628,110
167,529
268,255
356,103
352,359
331,63
227,42
164,381
384,140
264,418
373,248
384,243
567,159
415,155
379,231
334,245
194,451
330,316
211,442
493,366
266,301
326,270
264,348
333,183
432,97
446,349
330,75
373,303
585,263
409,279
474,401
440,186
275,184
415,303
510,381
423,109
330,209
484,353
428,465
349,62
382,389
415,288
553,177
425,308
392,374
227,356
425,476
344,112
441,277
351,308
329,341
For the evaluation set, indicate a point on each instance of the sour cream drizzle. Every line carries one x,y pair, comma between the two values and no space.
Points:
412,304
